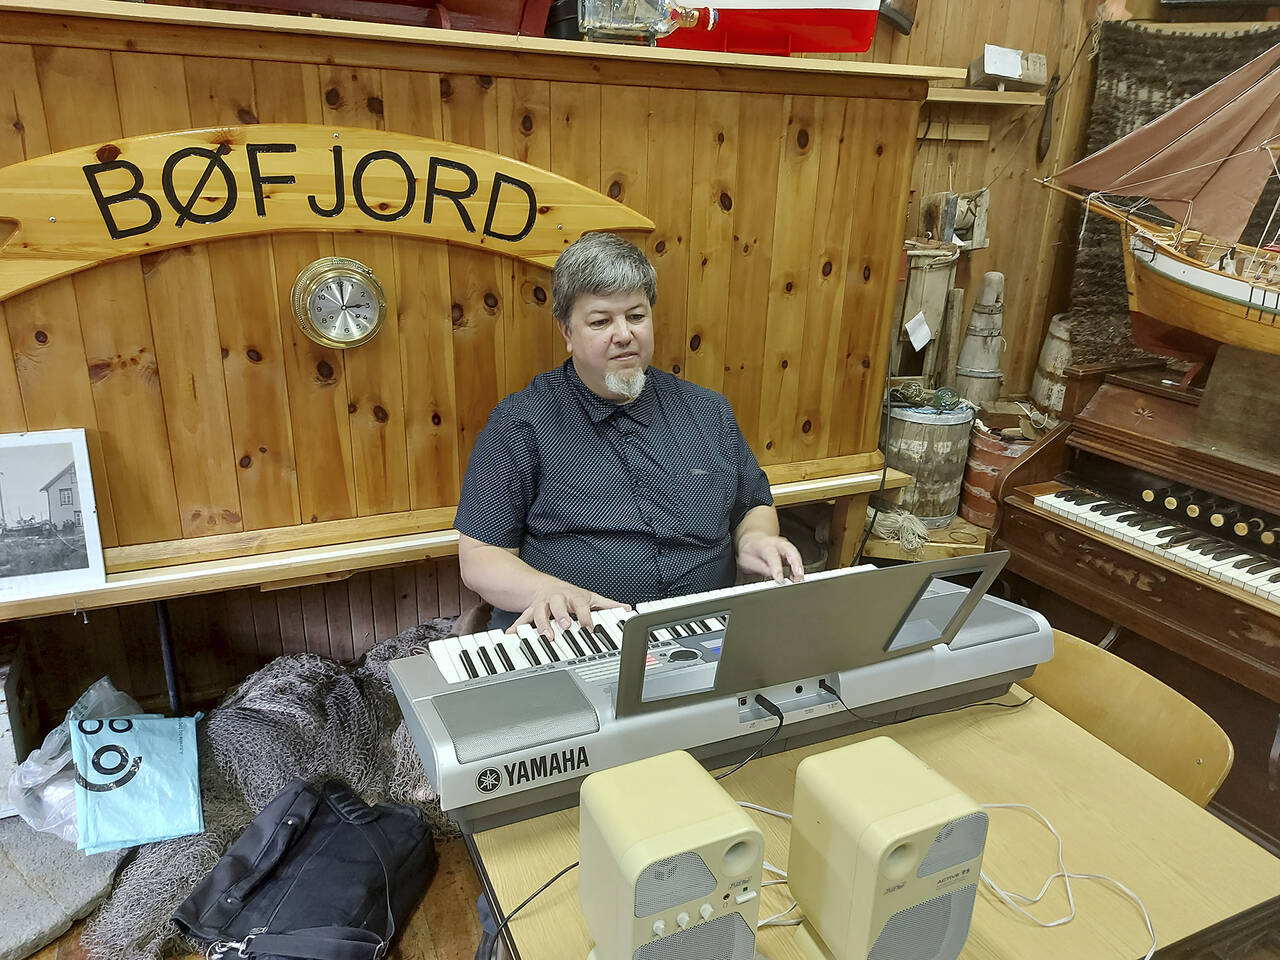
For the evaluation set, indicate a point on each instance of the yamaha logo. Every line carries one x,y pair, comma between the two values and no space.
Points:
489,780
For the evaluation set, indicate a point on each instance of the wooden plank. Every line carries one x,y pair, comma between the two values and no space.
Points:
480,283
428,591
293,630
376,392
715,187
266,626
360,597
405,580
13,419
869,287
315,620
411,103
221,93
382,587
317,394
843,123
180,297
670,163
761,129
449,583
789,279
524,132
242,635
337,606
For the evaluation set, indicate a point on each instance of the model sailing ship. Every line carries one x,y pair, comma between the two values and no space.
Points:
1192,283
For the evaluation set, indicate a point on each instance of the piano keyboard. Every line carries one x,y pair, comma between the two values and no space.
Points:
493,653
1220,559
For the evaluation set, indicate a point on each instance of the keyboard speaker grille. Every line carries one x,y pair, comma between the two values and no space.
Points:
508,716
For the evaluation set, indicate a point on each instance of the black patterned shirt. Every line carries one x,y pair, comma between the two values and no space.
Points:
634,501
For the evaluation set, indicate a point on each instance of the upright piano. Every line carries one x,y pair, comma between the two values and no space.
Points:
1147,515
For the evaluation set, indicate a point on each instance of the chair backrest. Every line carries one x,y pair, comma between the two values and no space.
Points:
1136,715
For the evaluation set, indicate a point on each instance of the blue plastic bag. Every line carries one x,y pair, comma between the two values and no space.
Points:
137,781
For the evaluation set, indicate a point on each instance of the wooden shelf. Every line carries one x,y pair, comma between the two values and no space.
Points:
959,538
990,98
313,564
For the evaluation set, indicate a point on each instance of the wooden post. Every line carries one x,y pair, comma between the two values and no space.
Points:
848,521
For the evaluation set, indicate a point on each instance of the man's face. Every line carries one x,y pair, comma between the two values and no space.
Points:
610,335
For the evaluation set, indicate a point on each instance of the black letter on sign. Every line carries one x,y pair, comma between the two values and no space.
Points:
91,172
357,187
457,196
255,172
186,211
339,194
499,179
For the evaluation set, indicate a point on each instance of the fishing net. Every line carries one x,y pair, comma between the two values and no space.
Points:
299,716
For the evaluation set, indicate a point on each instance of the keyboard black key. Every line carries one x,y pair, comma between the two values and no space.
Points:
1185,537
505,658
589,639
1148,525
1084,497
1226,553
604,637
552,656
706,624
487,661
469,665
531,654
576,647
1262,566
1274,578
1113,509
1130,519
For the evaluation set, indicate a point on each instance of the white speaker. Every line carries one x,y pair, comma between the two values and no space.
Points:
885,856
669,864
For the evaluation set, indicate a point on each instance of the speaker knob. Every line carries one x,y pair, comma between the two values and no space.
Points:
705,911
659,928
682,920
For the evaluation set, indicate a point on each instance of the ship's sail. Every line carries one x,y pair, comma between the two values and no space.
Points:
1204,162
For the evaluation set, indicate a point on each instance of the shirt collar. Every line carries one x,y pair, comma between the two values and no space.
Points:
598,408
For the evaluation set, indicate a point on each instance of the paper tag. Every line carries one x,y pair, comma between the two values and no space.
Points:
1002,62
918,330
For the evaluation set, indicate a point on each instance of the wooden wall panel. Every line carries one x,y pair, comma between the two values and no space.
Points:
761,128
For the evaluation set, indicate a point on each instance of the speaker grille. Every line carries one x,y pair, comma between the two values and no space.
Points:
515,715
933,930
725,938
959,841
674,880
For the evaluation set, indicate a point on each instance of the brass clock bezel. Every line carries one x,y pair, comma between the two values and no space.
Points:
322,271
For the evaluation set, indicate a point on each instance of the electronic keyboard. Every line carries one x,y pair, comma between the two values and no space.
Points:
507,725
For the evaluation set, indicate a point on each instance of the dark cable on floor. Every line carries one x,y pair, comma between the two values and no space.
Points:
497,938
769,707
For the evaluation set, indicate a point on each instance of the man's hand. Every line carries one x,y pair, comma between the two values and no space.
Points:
770,556
561,602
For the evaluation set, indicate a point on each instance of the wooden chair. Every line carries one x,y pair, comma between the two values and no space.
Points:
1136,715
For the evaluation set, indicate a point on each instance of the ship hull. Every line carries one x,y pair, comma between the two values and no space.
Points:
1212,305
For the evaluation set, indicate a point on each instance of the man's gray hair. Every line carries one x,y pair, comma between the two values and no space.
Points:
601,265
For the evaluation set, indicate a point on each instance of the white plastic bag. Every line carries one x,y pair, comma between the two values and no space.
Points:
42,787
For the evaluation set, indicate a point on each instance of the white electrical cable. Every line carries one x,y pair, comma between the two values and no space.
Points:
1008,897
772,869
777,921
768,810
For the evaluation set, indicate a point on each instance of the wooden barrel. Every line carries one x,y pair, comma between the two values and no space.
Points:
989,456
931,445
1050,384
978,375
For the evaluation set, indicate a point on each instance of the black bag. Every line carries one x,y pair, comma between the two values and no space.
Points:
318,874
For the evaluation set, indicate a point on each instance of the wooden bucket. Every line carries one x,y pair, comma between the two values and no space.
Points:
931,445
1050,384
989,456
978,376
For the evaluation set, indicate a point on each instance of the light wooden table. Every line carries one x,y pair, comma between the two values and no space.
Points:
1190,869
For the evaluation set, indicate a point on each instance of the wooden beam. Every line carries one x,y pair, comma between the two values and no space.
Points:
990,98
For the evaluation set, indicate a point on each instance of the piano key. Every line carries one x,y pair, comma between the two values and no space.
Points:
548,649
604,637
593,646
444,660
528,645
504,655
454,646
488,663
1112,509
1274,578
561,645
493,644
469,664
572,640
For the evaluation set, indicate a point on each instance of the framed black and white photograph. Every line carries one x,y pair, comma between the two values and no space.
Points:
49,540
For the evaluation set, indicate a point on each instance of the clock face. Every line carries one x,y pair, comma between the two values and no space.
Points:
338,302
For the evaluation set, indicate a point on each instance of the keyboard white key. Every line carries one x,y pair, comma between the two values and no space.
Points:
446,662
1156,541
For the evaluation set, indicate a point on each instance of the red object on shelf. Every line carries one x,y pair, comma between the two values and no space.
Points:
747,28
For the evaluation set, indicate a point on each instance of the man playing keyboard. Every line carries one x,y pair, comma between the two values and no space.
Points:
606,482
